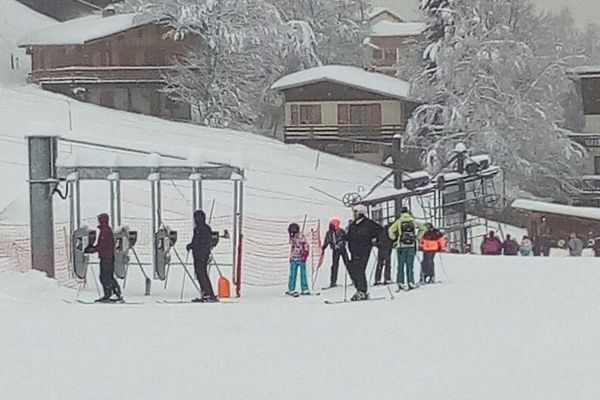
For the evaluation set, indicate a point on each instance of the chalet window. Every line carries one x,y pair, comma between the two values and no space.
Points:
390,56
362,148
306,114
359,114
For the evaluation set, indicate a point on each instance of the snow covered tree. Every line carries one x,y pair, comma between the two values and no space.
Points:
490,84
334,29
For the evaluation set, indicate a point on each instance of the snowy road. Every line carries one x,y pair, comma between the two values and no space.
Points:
497,328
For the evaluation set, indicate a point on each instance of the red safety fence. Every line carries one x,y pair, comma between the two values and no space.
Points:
263,255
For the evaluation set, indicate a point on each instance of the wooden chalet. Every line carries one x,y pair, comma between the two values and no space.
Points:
345,110
391,39
116,61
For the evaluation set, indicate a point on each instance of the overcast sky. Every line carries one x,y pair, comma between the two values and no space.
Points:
583,11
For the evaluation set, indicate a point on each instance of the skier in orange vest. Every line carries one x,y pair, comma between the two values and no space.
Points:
432,242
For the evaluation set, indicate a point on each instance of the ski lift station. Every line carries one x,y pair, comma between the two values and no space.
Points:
48,170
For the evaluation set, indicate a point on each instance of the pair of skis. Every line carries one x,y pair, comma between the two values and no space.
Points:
86,302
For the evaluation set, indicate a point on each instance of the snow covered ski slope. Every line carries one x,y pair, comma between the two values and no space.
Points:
494,329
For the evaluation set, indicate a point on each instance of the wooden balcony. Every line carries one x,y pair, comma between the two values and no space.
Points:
307,133
588,140
81,75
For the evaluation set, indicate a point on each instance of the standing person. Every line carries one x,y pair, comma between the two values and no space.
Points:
510,247
543,237
575,246
491,245
526,247
384,258
200,247
596,247
105,247
299,251
432,242
336,239
361,234
405,232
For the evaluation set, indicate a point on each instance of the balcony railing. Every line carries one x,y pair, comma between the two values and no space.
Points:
589,140
147,74
300,133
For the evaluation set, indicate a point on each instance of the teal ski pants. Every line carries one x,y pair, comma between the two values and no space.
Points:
406,258
294,266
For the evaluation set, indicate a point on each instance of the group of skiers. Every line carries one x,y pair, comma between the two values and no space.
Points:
362,234
200,246
493,246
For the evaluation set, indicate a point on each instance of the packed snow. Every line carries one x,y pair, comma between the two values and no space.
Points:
82,30
349,76
389,28
494,330
560,209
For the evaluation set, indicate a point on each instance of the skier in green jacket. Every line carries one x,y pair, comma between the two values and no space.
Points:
405,232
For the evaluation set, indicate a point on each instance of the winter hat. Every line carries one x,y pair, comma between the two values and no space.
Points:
335,223
293,228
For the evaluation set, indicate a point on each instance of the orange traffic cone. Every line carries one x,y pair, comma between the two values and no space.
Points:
224,288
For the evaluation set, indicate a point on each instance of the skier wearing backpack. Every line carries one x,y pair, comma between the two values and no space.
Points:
299,251
361,234
406,232
336,239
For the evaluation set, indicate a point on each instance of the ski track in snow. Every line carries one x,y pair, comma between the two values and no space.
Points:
524,328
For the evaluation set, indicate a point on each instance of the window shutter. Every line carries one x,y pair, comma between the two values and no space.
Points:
294,115
316,114
375,115
343,114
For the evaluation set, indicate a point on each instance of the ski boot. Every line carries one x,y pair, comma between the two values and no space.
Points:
402,287
360,296
305,293
387,282
292,293
411,286
103,299
376,283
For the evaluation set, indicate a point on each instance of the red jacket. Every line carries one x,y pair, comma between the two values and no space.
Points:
105,246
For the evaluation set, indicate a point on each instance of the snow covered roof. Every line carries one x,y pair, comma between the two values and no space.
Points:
354,77
376,11
587,69
560,209
83,30
389,28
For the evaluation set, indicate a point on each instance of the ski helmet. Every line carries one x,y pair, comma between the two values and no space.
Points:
293,228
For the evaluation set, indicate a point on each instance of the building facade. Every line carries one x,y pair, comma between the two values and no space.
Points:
345,111
117,61
391,40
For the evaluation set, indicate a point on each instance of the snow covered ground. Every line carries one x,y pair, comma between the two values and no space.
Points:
494,329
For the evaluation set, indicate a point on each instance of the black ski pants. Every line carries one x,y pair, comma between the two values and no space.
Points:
358,271
384,264
110,285
201,270
428,264
335,263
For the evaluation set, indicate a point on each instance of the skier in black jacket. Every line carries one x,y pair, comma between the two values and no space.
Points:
361,234
384,258
201,247
336,239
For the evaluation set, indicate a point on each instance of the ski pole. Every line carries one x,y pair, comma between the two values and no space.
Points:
148,281
186,270
374,265
346,285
